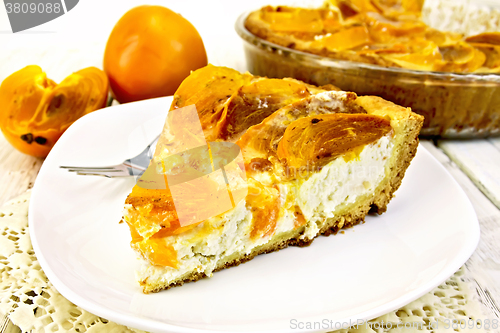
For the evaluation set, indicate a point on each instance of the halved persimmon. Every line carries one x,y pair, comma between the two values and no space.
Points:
36,111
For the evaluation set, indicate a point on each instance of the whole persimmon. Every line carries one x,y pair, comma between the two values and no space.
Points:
150,51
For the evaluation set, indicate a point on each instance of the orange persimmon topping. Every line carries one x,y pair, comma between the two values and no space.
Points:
492,38
382,32
492,54
303,20
263,201
208,88
316,140
154,249
461,57
345,39
383,29
228,102
255,101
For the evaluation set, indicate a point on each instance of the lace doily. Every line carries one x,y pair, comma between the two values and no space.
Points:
33,304
26,295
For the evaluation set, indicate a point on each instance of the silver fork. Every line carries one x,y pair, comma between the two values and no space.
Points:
134,166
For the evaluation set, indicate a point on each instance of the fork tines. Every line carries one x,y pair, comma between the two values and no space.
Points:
97,171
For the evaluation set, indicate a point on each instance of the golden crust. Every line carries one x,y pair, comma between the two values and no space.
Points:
407,126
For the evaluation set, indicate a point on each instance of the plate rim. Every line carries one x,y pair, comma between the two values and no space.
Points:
155,325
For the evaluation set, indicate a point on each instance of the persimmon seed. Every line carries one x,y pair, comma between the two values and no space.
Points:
27,137
40,140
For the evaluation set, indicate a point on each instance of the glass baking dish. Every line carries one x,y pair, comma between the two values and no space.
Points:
454,105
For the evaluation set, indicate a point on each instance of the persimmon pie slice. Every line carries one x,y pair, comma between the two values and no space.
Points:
248,165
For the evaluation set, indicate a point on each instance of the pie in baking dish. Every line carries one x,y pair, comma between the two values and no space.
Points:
308,162
382,32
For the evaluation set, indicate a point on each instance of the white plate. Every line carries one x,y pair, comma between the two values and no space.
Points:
429,231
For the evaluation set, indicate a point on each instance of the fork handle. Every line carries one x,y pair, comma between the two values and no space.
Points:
136,169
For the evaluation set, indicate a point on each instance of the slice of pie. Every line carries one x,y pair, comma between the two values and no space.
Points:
313,160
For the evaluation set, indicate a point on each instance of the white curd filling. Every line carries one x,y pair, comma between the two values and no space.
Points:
337,184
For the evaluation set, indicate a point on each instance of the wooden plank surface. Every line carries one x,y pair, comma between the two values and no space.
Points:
483,267
480,160
17,171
